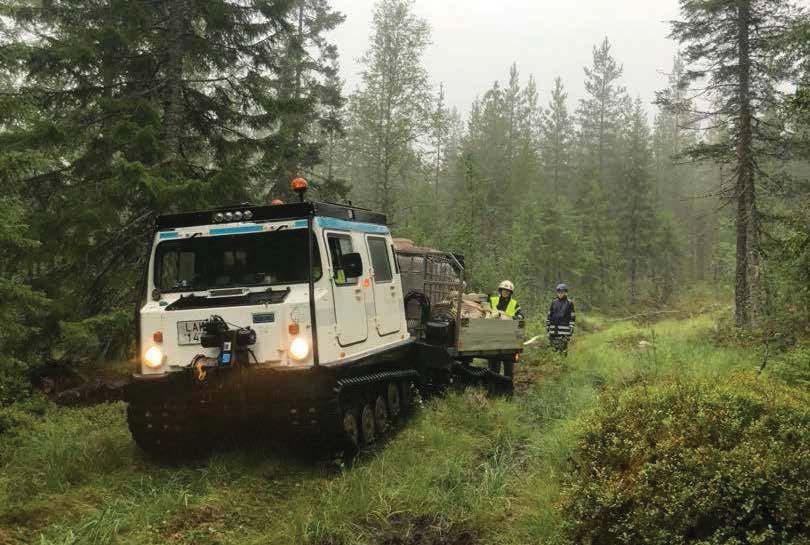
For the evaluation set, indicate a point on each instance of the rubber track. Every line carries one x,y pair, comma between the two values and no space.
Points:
375,378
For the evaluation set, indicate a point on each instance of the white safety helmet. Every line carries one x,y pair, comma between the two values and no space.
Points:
506,285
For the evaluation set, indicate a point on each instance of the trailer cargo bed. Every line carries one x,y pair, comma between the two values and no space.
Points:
439,277
480,337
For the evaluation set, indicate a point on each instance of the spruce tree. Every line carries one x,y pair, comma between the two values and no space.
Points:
329,176
310,89
121,110
735,49
23,307
684,188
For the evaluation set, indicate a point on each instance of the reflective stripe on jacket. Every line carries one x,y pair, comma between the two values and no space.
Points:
561,318
511,307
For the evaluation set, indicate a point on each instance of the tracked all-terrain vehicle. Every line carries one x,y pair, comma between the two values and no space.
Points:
291,319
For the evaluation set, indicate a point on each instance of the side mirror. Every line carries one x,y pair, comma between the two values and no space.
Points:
352,265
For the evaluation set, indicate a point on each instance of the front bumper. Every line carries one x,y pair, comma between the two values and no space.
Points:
294,395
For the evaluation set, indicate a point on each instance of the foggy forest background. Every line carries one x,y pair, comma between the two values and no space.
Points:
115,111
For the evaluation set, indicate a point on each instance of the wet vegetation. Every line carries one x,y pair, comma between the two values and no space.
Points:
639,430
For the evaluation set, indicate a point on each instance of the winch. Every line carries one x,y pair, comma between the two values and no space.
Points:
233,343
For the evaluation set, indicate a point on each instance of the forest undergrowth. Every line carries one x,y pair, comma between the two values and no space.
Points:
464,469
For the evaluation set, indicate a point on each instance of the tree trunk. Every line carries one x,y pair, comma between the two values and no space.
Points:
633,280
173,89
294,167
747,286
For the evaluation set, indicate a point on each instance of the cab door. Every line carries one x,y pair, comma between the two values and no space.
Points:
387,297
350,304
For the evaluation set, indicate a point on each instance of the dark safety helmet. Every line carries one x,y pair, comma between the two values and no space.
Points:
562,287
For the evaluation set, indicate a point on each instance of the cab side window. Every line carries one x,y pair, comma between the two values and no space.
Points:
378,248
340,245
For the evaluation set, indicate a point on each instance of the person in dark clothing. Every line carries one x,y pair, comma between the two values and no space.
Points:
560,321
504,302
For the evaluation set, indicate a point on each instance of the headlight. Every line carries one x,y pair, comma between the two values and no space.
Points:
153,357
299,349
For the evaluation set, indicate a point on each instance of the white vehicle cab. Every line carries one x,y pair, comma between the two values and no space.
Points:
289,312
254,274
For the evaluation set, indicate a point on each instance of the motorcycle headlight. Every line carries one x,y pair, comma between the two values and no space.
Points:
153,357
299,348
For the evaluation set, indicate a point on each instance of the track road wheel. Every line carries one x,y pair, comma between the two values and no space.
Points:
166,432
351,428
380,414
367,424
406,401
394,405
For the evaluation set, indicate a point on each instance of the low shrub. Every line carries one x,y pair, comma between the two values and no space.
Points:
14,382
793,366
18,418
704,462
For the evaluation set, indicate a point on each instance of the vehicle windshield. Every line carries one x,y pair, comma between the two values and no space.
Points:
257,259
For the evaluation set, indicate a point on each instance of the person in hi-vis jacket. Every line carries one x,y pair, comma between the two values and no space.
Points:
505,302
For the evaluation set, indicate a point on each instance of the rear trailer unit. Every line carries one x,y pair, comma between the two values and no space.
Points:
434,284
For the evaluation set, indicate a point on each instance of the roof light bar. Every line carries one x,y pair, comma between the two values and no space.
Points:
239,215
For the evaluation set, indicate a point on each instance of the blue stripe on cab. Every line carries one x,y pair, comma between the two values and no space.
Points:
235,230
334,223
168,234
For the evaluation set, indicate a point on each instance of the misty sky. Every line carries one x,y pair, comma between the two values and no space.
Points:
475,41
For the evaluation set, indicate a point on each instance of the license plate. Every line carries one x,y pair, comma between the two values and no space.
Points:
189,332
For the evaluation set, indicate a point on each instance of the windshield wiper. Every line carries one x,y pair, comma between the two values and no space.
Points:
187,301
268,296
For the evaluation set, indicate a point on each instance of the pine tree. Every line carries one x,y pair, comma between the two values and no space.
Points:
526,173
636,219
514,106
439,125
557,137
391,110
600,115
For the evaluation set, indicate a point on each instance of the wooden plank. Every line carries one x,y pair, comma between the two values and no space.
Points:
481,335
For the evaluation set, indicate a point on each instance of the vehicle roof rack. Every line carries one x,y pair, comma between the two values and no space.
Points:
277,212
